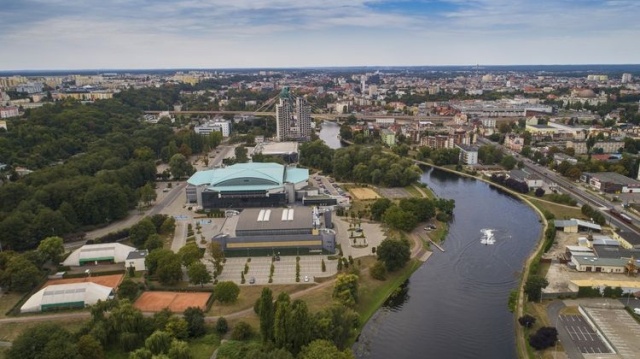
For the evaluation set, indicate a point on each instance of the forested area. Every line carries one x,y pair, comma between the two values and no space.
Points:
360,164
89,162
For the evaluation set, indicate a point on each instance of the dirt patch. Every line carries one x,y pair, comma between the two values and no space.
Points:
111,281
364,193
176,302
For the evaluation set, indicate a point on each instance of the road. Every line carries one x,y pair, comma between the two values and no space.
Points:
569,187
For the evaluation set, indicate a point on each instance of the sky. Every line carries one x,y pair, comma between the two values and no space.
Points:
139,34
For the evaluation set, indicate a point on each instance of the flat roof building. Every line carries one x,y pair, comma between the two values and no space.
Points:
272,231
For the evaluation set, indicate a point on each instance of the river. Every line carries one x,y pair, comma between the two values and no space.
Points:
329,134
455,305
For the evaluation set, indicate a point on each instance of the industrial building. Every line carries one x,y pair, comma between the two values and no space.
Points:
65,296
246,185
99,253
611,182
288,151
277,231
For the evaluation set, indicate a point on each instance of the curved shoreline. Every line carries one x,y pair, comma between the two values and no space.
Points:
521,345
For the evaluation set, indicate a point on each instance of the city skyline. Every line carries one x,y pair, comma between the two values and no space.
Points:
139,34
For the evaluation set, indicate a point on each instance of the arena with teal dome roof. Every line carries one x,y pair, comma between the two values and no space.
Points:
246,185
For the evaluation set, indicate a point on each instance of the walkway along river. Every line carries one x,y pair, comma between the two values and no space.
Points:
455,305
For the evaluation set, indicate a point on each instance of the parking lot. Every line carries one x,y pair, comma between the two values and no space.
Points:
284,273
583,336
620,329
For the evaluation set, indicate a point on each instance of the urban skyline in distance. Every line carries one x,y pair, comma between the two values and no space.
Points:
145,34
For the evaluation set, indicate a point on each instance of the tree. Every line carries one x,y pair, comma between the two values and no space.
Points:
539,192
154,257
337,324
44,341
282,307
545,337
179,350
241,154
153,242
379,207
177,327
324,349
21,274
533,287
222,327
168,226
242,331
298,326
397,218
169,269
159,342
394,253
179,166
52,248
527,321
128,289
508,162
89,348
190,253
345,289
198,274
226,292
266,312
141,231
147,194
195,321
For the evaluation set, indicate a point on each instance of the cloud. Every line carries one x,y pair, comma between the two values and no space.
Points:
215,33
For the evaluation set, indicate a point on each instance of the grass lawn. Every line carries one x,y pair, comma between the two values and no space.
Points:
203,347
248,296
413,191
539,311
3,352
10,331
440,233
7,301
559,211
373,293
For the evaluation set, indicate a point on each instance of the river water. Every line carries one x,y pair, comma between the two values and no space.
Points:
455,305
329,134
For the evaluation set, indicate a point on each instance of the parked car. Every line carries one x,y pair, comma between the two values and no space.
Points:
306,278
252,280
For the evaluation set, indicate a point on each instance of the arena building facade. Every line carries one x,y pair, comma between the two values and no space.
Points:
277,231
246,185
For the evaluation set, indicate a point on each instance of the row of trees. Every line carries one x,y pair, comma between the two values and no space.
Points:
114,324
288,325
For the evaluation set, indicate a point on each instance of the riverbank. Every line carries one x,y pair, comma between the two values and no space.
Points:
522,347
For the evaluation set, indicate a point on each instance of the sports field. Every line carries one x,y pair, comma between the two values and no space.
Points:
364,193
111,281
176,302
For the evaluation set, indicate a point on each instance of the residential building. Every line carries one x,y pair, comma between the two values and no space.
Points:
388,137
580,147
514,142
6,112
30,87
468,154
136,259
293,118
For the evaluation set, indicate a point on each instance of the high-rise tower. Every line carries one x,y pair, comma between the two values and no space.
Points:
293,117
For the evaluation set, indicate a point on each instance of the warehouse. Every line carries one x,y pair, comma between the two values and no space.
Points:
65,296
246,185
98,253
286,231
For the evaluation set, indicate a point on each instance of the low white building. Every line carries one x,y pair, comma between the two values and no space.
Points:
6,112
65,296
95,253
222,126
136,259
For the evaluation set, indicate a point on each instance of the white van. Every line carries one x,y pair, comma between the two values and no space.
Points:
636,311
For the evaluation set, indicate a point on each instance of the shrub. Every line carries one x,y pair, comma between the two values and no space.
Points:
222,327
242,331
378,271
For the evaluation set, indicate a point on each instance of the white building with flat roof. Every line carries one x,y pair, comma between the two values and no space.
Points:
222,126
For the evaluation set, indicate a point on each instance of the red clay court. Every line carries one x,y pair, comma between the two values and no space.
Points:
111,281
177,302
